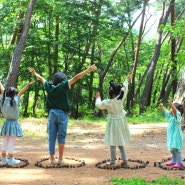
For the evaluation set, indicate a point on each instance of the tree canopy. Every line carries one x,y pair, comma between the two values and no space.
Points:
70,35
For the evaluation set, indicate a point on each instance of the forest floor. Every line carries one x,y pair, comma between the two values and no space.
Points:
85,142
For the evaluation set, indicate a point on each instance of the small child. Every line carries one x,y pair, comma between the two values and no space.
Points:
58,107
174,133
11,127
117,131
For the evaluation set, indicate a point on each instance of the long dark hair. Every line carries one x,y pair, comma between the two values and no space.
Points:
179,107
115,89
10,92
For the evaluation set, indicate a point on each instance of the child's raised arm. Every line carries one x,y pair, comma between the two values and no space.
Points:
129,76
22,91
162,107
172,106
97,95
1,88
39,77
83,73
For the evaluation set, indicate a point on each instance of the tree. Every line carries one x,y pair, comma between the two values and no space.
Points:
179,96
146,97
132,87
180,91
102,74
69,35
16,59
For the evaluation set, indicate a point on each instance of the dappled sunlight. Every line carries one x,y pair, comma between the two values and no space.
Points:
23,175
34,129
80,130
141,128
87,144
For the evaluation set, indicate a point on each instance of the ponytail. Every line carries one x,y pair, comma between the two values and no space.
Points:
11,101
4,94
121,94
10,92
115,89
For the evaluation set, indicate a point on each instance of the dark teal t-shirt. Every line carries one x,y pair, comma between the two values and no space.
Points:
57,96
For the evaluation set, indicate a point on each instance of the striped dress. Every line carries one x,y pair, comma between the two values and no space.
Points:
117,130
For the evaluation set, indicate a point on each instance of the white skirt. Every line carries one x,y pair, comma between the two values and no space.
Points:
117,130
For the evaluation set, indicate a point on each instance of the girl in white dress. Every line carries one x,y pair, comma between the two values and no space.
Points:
117,130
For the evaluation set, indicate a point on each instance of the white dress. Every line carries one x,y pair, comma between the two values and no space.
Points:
117,130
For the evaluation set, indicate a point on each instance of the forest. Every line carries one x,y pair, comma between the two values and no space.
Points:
119,36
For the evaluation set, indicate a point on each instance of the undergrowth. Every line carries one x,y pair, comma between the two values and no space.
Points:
138,181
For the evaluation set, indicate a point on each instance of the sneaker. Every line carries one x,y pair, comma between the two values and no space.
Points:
4,161
110,163
177,165
13,161
170,163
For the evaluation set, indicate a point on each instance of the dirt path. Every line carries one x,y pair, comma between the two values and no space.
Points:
85,141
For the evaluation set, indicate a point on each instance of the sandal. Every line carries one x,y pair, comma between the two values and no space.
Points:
52,162
124,163
60,162
110,163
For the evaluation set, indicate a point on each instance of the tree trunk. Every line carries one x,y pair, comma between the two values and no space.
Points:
180,91
18,31
56,45
91,76
16,59
25,102
145,100
179,96
173,46
50,67
166,77
104,72
132,87
35,101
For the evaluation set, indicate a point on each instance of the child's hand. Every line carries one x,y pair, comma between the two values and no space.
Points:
1,88
129,76
97,95
162,107
92,68
30,83
170,101
31,70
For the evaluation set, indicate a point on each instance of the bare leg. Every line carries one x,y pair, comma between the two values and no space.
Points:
52,157
61,151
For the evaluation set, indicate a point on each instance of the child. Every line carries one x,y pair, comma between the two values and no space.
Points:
11,127
117,131
57,105
174,133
